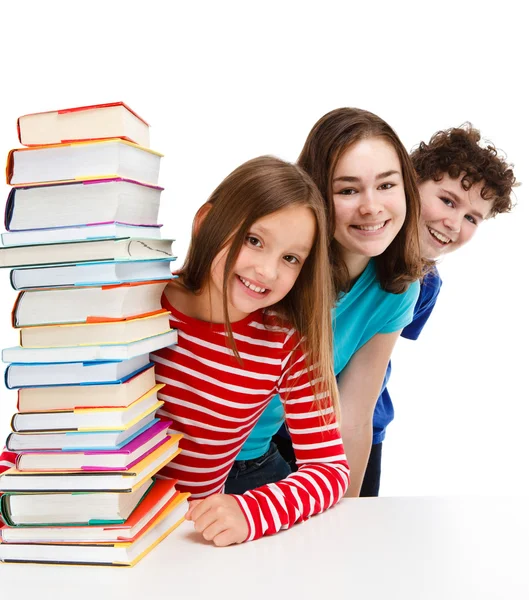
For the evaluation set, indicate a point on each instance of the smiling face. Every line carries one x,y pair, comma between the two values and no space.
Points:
450,215
369,201
268,263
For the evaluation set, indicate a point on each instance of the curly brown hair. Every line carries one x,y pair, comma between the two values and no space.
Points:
457,150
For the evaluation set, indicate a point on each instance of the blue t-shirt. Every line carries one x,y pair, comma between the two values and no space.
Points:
384,413
360,314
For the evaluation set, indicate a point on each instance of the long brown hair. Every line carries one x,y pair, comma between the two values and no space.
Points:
331,136
258,188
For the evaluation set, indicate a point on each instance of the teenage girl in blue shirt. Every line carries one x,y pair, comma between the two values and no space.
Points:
365,175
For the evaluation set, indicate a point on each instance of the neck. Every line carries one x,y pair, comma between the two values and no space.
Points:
356,264
203,305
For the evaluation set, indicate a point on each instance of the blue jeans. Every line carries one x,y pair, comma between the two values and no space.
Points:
248,475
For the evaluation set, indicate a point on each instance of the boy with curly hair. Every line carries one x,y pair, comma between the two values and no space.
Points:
461,183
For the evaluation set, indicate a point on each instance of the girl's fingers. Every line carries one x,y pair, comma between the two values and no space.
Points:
212,531
225,538
192,504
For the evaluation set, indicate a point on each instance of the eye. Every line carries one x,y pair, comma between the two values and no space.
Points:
253,241
386,186
448,202
471,219
347,192
293,260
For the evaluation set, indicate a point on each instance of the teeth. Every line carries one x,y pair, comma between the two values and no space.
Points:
439,236
370,227
254,288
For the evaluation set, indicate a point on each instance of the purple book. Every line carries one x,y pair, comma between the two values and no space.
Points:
120,459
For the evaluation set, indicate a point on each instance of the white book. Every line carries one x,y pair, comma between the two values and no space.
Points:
73,335
85,304
85,251
119,459
97,273
78,440
73,373
79,161
13,480
88,419
81,202
70,508
109,352
97,121
120,554
119,393
157,498
79,233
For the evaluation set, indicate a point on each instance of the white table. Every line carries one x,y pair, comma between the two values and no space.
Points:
410,548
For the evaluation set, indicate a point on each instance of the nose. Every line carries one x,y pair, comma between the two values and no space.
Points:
266,269
369,204
453,222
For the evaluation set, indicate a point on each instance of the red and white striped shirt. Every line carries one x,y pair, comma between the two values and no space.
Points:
214,401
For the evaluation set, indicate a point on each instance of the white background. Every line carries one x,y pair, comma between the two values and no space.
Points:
222,82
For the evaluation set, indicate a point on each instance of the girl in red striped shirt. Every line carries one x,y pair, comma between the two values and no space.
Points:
252,307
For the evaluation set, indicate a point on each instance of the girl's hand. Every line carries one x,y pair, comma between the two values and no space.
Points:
219,519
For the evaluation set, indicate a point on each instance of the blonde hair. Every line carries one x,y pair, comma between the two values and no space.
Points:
258,188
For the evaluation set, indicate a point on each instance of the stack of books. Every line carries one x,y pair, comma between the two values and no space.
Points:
90,265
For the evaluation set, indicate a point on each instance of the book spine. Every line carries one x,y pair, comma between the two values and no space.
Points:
10,207
9,166
6,378
14,319
8,443
12,279
4,510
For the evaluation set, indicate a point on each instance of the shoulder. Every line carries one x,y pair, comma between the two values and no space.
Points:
278,327
432,280
177,298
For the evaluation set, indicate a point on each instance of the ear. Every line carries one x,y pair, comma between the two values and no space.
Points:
202,213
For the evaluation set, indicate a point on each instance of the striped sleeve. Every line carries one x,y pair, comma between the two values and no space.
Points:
323,474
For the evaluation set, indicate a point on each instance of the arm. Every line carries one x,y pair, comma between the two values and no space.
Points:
321,480
359,384
323,474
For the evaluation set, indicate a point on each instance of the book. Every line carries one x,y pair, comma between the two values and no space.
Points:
154,502
121,393
97,460
70,204
66,508
120,554
79,161
79,232
124,331
113,120
87,304
108,352
92,273
13,480
88,419
73,373
78,440
85,251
